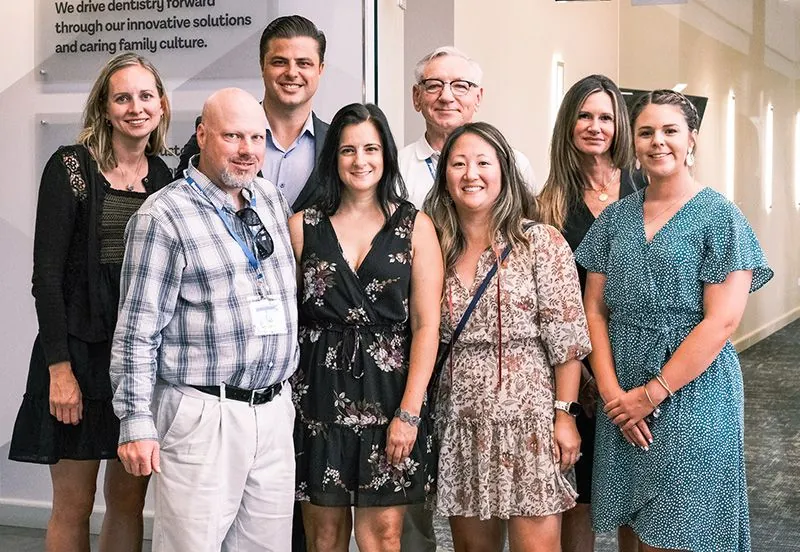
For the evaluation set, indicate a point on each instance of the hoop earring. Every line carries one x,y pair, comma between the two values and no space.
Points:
690,159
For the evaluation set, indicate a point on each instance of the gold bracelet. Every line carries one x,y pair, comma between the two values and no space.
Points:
647,394
656,410
660,379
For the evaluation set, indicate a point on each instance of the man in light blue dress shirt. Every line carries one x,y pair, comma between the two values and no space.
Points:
292,54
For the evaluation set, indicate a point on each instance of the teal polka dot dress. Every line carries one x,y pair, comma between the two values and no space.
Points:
688,492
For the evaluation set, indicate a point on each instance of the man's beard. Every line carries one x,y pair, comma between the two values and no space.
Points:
235,181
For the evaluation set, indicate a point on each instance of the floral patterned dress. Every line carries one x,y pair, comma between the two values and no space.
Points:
354,350
495,420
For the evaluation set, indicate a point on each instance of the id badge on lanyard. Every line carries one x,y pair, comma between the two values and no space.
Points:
266,310
268,315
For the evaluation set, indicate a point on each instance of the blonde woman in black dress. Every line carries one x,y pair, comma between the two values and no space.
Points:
88,192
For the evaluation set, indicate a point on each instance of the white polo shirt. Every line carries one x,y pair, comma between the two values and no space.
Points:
418,172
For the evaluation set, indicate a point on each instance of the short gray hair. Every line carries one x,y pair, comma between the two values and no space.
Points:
441,51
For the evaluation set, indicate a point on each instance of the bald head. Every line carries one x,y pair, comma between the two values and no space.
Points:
231,137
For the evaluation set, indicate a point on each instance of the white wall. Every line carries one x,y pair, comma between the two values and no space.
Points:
428,25
515,42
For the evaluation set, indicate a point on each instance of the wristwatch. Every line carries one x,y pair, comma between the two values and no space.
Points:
571,408
407,417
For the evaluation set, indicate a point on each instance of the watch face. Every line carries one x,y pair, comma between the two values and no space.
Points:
574,408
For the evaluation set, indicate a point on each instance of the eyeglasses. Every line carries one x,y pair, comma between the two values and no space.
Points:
457,87
261,238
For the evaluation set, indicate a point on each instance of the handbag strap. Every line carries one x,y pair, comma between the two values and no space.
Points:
477,296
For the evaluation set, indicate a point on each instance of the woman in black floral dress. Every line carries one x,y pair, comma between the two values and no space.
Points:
371,274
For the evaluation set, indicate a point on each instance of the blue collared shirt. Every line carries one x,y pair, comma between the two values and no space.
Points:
186,289
290,168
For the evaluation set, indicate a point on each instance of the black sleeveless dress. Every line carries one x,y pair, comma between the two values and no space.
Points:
354,352
579,220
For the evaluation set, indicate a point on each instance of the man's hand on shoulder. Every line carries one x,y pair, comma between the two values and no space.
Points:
140,458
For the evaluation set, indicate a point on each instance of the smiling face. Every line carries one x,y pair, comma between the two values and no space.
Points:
594,130
291,70
134,107
662,140
360,157
444,111
474,176
232,139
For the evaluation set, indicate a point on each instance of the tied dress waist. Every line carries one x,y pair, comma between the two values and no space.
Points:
351,340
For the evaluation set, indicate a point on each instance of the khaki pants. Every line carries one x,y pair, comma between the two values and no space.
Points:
227,473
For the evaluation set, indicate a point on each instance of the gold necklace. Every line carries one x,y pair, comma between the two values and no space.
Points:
130,185
602,193
665,209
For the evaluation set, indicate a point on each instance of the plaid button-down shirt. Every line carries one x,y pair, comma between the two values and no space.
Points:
185,295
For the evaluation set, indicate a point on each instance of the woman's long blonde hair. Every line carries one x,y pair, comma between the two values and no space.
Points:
566,182
96,133
514,204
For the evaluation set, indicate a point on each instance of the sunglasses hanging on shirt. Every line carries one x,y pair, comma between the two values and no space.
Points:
261,236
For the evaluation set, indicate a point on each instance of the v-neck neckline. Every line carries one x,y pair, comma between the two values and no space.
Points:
669,220
627,187
356,271
478,278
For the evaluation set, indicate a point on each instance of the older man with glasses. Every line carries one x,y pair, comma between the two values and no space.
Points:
206,341
448,93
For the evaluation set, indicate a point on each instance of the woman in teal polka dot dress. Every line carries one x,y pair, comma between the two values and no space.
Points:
670,269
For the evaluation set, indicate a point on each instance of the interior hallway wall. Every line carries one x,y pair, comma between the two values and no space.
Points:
516,42
428,25
750,46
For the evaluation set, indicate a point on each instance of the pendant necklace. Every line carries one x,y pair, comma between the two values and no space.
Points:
602,193
131,185
653,218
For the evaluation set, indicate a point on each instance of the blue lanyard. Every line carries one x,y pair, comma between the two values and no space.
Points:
431,168
226,221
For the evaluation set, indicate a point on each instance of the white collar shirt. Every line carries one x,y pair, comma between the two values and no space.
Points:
418,162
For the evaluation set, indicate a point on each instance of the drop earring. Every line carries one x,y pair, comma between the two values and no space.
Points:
690,158
637,165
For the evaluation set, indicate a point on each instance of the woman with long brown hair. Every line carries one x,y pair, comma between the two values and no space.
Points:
590,158
502,412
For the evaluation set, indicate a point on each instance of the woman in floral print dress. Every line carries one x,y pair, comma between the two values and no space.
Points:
371,281
503,446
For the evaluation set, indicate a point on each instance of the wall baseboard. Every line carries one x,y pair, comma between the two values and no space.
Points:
751,338
34,514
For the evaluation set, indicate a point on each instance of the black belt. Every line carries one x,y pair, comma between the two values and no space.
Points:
251,396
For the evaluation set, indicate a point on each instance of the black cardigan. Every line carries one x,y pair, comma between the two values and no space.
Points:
66,248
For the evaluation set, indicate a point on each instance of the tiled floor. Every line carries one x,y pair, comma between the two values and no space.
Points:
772,446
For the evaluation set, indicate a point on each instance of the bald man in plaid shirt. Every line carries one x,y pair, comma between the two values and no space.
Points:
206,341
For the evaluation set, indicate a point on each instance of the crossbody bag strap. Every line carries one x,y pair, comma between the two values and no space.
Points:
477,296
